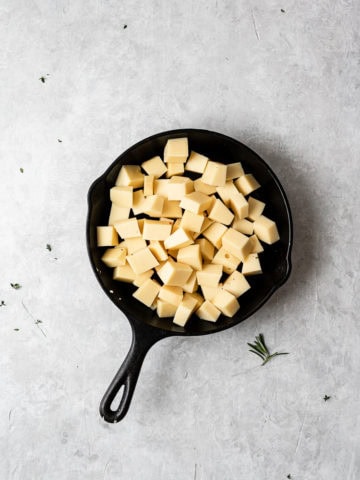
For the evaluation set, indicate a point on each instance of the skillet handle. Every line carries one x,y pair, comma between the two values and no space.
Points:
127,376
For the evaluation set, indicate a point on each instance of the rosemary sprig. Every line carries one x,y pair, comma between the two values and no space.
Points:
261,350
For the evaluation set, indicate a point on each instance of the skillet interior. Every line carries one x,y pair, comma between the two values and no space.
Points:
275,260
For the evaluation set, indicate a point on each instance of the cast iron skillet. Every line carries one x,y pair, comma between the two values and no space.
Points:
147,327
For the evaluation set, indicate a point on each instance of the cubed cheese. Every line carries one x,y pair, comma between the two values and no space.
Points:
161,187
234,170
128,228
198,298
256,208
209,292
214,174
147,292
114,257
247,184
176,150
142,260
266,230
200,186
196,163
118,213
256,245
251,265
106,236
130,176
140,279
155,166
174,273
206,223
192,221
207,250
175,169
124,273
122,196
209,275
191,284
242,225
196,202
178,187
138,202
184,310
227,260
214,233
220,213
154,205
236,284
239,205
164,309
148,185
172,209
134,244
208,312
179,239
236,243
226,303
227,192
156,229
171,294
191,256
158,250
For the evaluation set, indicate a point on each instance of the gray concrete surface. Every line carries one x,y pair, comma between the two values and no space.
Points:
285,83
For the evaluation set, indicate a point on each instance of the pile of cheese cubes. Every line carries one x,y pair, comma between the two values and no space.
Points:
189,244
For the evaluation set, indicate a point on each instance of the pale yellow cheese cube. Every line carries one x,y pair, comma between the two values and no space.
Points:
156,229
214,174
191,284
154,205
173,252
256,245
184,310
140,279
158,250
220,213
200,186
206,223
236,243
175,169
179,239
207,250
141,224
176,150
209,292
251,265
154,166
227,260
172,209
122,196
124,273
226,302
247,183
128,228
196,162
174,273
227,191
196,202
209,275
234,170
208,312
178,187
236,284
142,260
130,176
176,225
214,233
164,309
242,225
114,257
161,187
147,292
138,202
239,205
266,230
192,221
134,244
191,256
159,267
256,208
171,294
148,185
106,236
118,213
198,298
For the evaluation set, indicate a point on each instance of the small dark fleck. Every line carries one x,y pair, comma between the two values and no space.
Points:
125,26
326,398
42,79
48,247
55,258
16,329
2,303
288,476
38,321
283,11
21,170
59,140
15,286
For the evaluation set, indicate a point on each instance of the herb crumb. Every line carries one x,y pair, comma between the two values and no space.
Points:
125,26
283,11
59,140
48,247
2,303
289,476
21,170
15,286
38,321
326,398
16,329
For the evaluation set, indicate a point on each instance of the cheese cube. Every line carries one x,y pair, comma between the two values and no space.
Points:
191,284
209,292
142,260
206,223
174,273
176,150
196,163
174,169
236,284
256,208
191,256
176,225
128,228
208,312
124,273
198,298
170,294
179,239
178,187
161,187
118,213
154,205
200,186
266,230
106,236
214,174
256,245
214,233
196,202
239,205
148,185
140,279
138,202
130,176
184,310
251,265
158,250
206,249
122,196
172,209
156,229
226,303
234,170
147,292
173,253
133,244
155,166
227,260
209,275
141,224
242,225
236,243
114,257
164,309
220,213
227,191
247,184
192,221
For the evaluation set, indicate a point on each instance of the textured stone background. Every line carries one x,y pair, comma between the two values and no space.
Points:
286,84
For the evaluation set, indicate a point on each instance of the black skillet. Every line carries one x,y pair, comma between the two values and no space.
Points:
147,327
